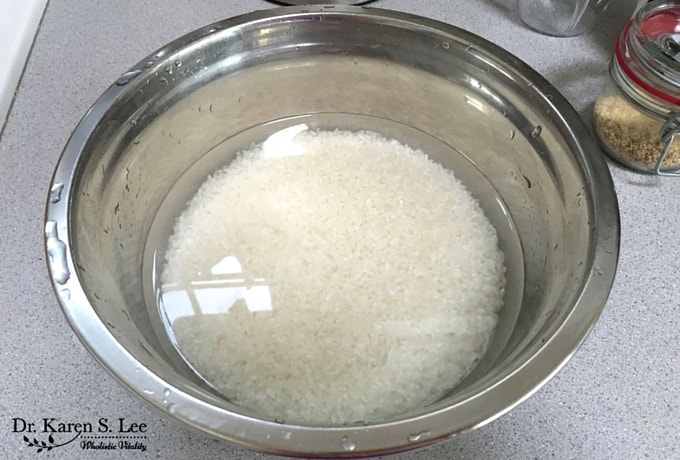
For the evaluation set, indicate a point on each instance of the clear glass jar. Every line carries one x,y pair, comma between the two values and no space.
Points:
561,18
637,116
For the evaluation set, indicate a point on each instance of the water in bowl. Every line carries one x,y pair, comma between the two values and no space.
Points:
212,298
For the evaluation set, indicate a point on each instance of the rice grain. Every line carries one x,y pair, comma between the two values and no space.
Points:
352,279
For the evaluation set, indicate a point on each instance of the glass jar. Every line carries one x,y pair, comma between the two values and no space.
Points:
637,116
561,18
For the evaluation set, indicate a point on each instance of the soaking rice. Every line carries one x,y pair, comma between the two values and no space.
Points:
353,279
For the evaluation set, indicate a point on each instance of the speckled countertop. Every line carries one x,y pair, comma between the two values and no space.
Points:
619,397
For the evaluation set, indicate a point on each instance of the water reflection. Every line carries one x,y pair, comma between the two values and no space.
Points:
282,143
216,293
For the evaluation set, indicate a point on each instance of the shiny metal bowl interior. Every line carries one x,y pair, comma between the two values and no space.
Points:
174,106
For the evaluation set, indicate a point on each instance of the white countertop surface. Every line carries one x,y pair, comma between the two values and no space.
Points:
619,397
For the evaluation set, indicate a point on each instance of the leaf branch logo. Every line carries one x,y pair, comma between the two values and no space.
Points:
49,445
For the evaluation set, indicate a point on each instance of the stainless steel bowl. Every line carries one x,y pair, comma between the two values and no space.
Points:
351,64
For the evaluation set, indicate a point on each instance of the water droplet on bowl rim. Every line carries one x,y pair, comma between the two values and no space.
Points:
56,250
415,437
65,293
536,131
348,444
127,77
55,192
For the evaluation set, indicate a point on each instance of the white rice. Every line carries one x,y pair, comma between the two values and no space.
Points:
353,279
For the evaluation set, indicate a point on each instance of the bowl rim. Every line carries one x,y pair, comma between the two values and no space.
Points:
381,438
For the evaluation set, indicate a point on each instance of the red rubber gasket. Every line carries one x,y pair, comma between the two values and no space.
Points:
633,76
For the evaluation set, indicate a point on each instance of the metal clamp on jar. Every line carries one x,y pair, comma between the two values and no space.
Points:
637,117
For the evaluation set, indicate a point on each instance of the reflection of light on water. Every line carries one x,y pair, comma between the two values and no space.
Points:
217,294
282,143
488,95
476,103
227,266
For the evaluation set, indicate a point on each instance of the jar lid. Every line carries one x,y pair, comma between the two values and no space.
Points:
648,50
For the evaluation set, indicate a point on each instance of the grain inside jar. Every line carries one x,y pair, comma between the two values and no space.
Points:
631,134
